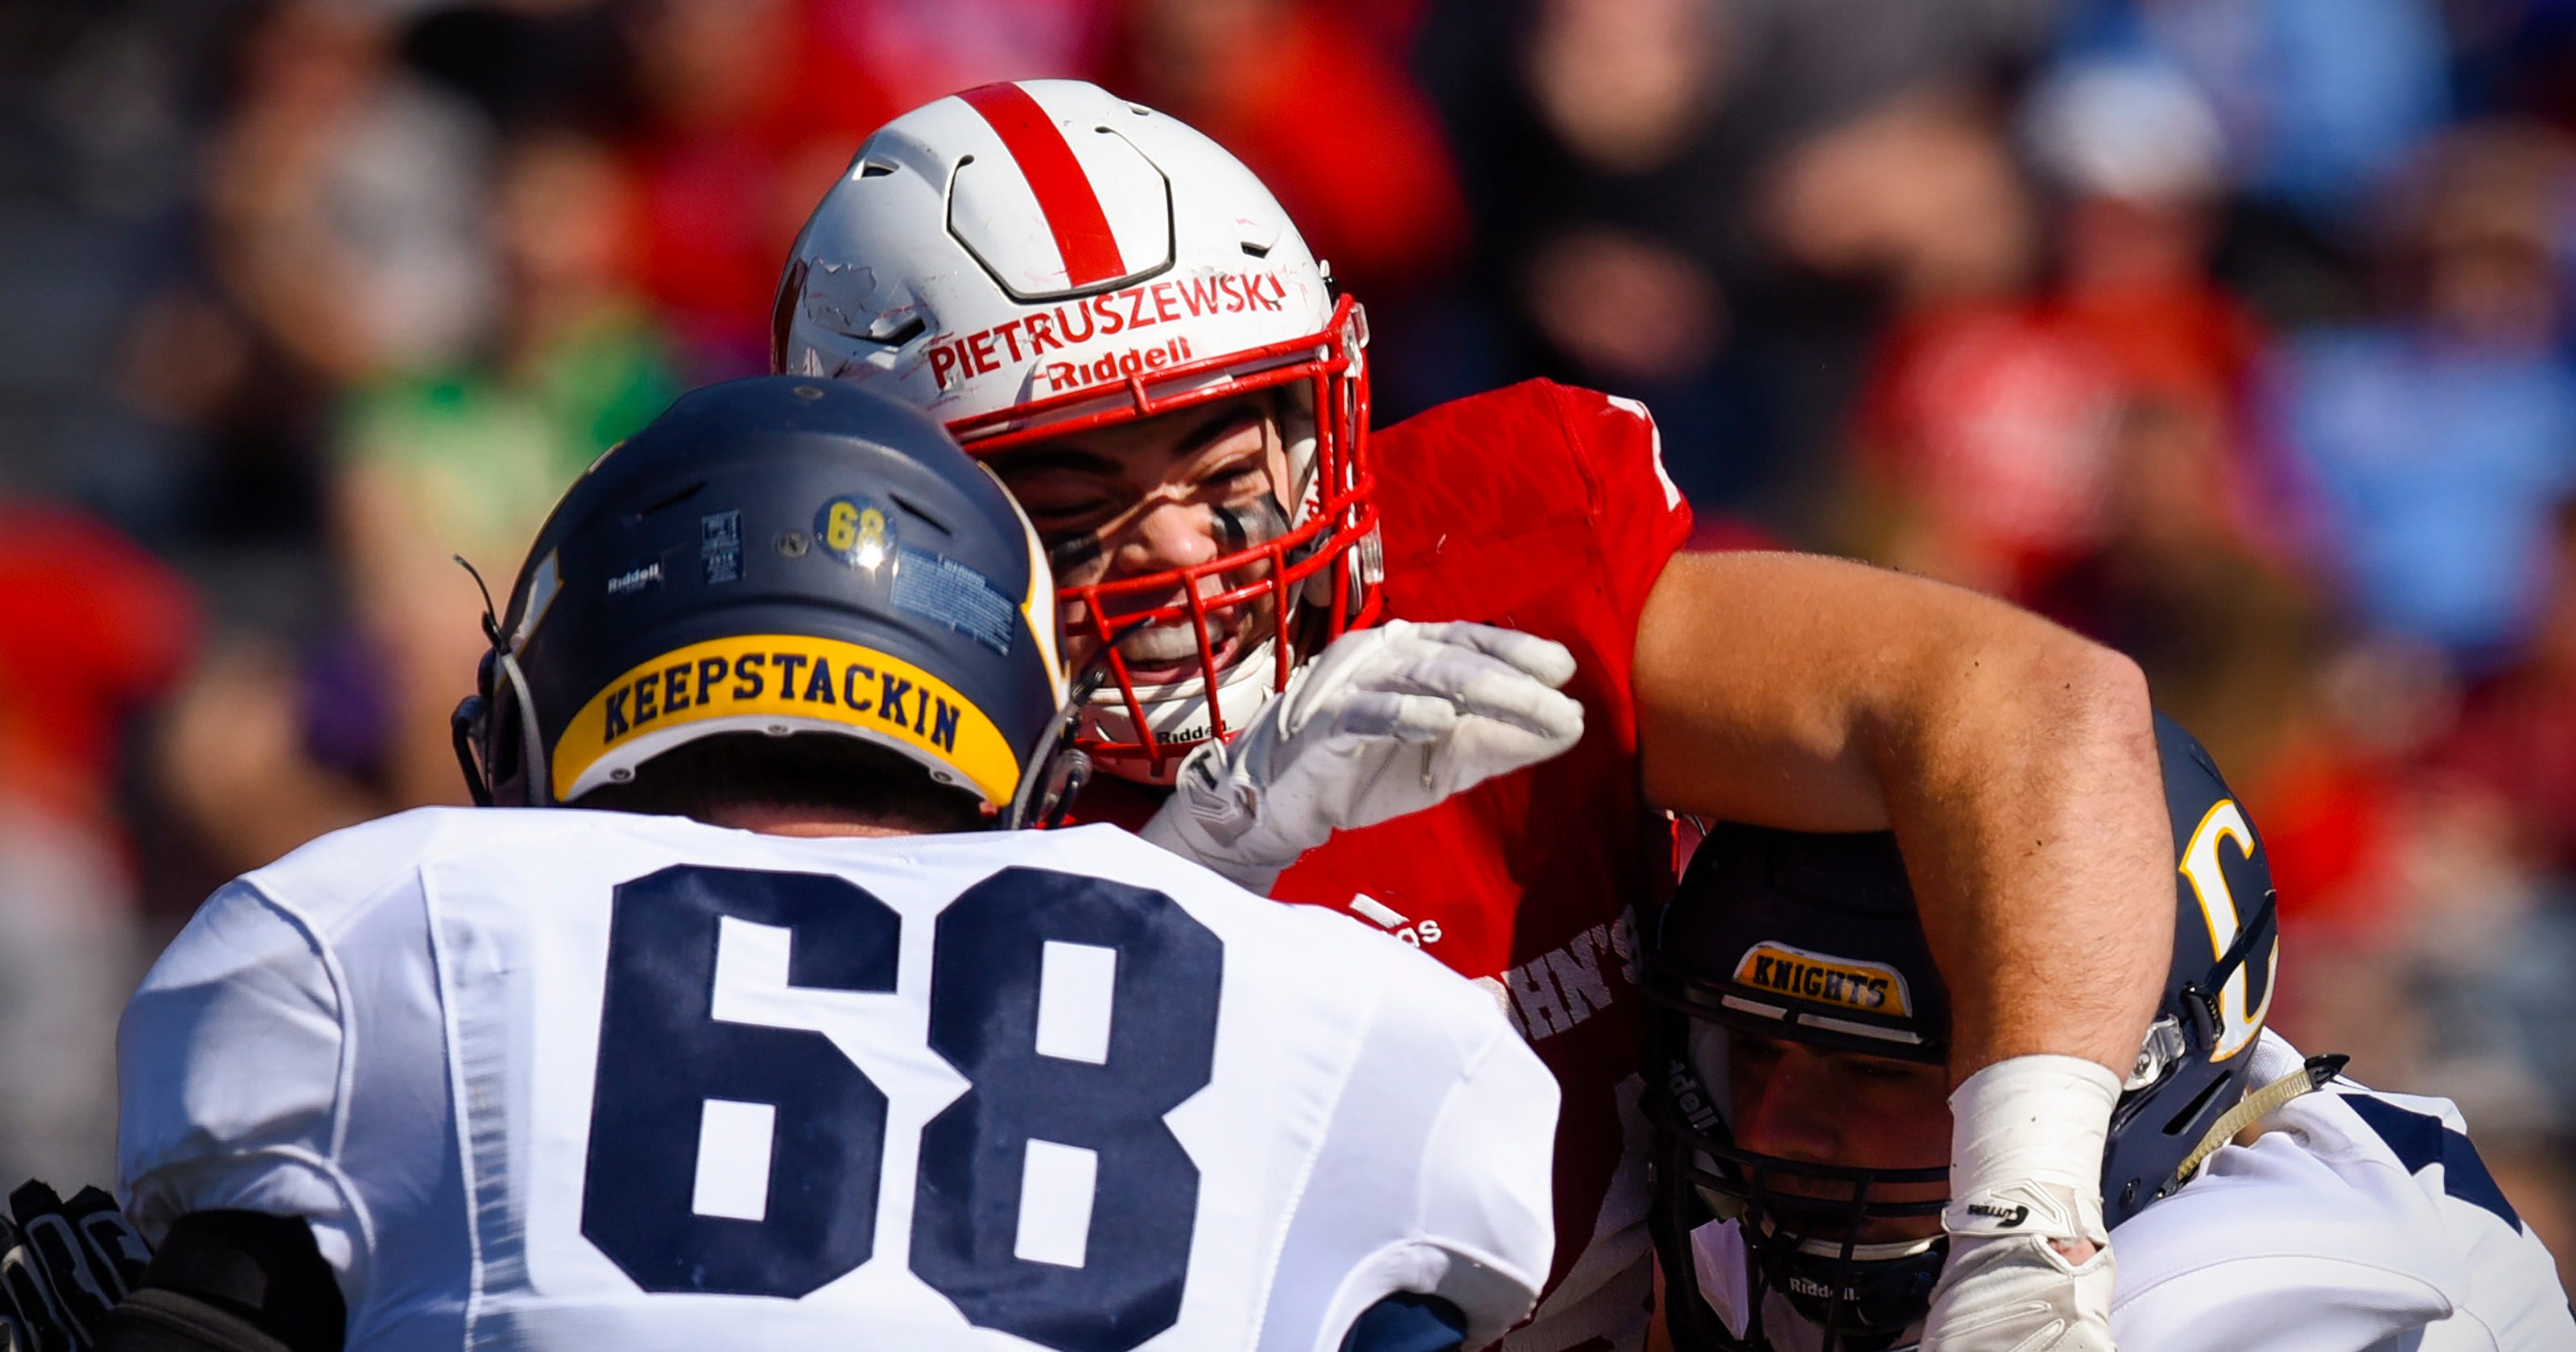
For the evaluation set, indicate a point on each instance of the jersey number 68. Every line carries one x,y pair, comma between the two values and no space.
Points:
1000,1224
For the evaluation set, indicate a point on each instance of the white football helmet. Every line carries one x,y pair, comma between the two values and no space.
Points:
1032,259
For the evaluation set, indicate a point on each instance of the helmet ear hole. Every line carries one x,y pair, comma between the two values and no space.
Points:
495,741
517,754
465,727
471,728
499,745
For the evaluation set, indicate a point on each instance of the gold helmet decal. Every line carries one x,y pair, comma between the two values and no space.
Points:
1865,987
783,682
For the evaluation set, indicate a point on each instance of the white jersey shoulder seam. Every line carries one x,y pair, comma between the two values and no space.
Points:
2128,1295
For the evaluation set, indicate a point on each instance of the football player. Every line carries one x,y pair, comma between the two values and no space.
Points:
1117,317
2256,1199
785,1047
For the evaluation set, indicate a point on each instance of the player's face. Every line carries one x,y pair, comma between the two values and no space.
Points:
1841,1108
1173,491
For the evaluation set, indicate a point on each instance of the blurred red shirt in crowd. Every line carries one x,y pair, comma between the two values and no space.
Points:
1997,418
2516,738
1321,110
1989,423
92,629
753,105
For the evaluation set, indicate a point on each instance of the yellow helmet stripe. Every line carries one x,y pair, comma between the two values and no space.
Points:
796,680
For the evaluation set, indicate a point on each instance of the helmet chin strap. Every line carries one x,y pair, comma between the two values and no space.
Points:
471,724
2308,1078
1056,775
536,775
465,727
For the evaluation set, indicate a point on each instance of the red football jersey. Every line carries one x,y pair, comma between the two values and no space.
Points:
1545,509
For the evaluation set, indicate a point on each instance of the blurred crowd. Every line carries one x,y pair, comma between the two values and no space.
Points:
2239,334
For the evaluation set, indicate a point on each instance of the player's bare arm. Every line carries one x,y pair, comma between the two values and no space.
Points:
2015,761
2017,765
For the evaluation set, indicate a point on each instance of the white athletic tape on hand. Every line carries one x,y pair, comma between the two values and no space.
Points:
2026,1142
2026,1169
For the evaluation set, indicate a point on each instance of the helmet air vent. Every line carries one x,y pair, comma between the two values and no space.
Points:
2197,1111
927,516
898,333
672,499
1259,233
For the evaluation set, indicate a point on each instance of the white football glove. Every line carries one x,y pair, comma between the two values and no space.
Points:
2017,1293
1383,722
2026,1169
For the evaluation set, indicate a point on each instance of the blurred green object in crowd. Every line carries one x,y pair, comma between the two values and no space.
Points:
495,446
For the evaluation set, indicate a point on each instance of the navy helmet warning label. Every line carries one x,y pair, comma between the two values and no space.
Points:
720,546
948,592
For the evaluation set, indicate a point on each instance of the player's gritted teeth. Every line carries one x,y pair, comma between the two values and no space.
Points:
1167,651
1161,498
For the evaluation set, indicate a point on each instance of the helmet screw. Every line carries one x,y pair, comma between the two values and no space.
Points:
621,774
808,392
791,544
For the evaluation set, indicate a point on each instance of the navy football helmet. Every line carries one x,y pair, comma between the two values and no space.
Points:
785,556
1814,939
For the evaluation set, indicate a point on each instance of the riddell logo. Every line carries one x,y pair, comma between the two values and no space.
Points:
1196,732
1803,1285
1682,1088
1065,375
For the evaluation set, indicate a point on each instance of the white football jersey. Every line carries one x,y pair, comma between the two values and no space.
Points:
559,1079
2356,1222
2357,1219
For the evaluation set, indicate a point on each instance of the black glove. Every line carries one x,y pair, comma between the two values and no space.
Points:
63,1266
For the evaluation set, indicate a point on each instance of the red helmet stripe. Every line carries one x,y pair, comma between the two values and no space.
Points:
1064,193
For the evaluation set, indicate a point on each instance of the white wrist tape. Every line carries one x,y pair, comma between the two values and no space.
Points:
2026,1143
